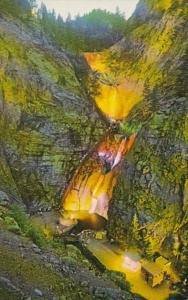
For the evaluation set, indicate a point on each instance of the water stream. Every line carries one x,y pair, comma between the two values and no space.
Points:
86,201
92,185
116,98
128,262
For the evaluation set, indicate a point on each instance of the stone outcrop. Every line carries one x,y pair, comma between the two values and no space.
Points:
147,208
47,123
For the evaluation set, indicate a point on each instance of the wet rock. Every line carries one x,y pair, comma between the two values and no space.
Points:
84,283
4,199
143,181
38,292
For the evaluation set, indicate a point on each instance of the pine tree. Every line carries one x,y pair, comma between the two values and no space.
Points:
135,228
68,19
18,8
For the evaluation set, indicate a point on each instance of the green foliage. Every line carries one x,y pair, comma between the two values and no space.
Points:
119,279
30,272
135,229
159,5
100,28
94,31
11,224
21,224
20,217
128,129
92,85
33,273
21,9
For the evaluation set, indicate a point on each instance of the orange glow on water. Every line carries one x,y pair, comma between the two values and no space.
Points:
91,188
95,61
92,221
131,265
115,101
125,262
98,186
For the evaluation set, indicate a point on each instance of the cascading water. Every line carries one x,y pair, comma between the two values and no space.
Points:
87,198
91,188
92,185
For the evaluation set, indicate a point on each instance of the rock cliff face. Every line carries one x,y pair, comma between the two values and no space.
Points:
47,124
147,208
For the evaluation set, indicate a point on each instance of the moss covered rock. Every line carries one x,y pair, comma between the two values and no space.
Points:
152,185
47,123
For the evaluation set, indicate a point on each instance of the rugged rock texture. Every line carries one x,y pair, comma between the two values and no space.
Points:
147,209
47,124
27,272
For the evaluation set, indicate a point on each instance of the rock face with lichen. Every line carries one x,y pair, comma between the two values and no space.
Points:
147,207
27,272
47,124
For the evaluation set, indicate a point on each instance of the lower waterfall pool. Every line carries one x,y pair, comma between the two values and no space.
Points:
109,255
129,262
